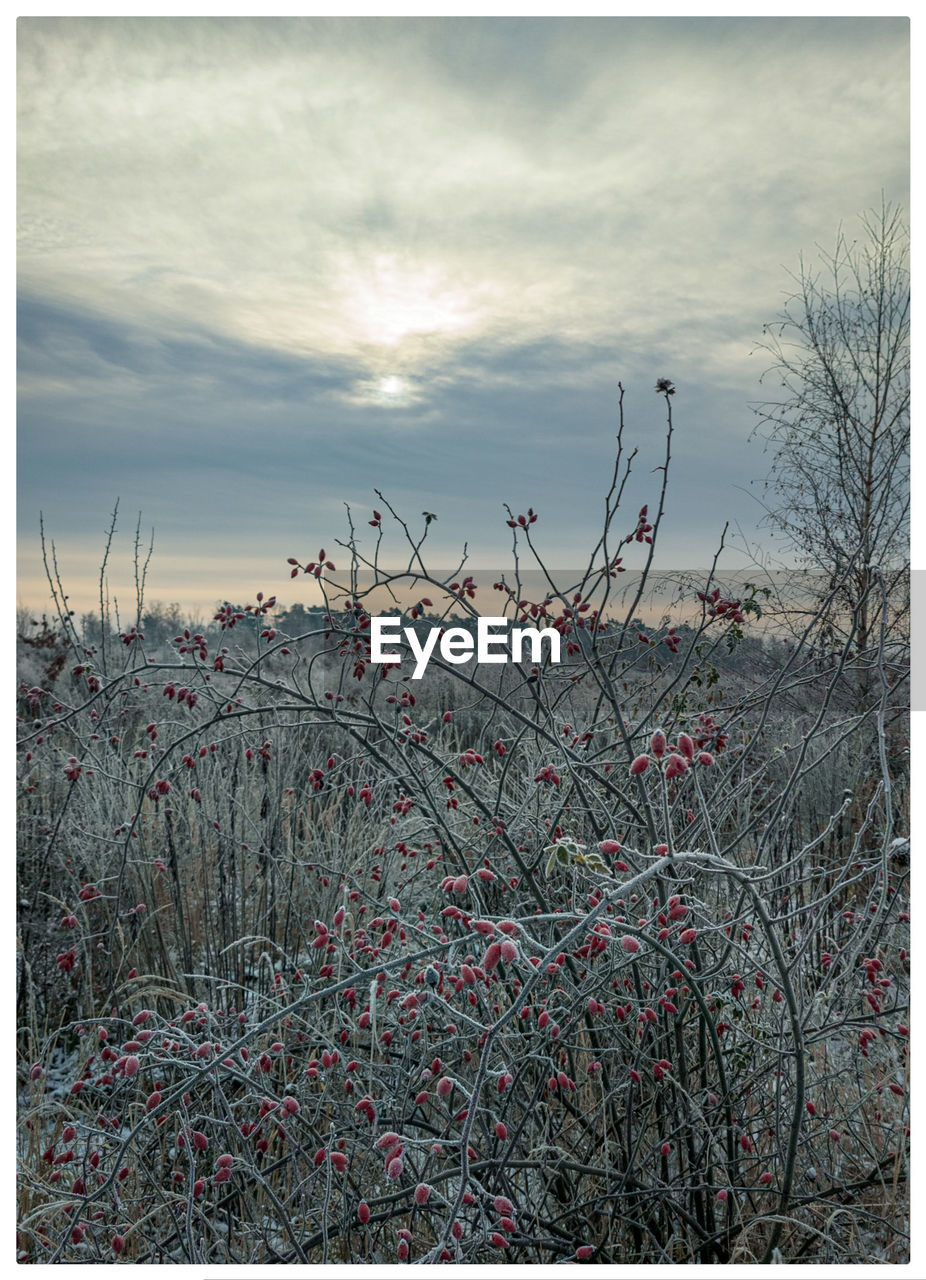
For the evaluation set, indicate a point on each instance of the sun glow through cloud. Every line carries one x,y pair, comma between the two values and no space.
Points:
389,300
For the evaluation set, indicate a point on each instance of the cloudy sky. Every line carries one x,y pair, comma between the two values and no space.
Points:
266,266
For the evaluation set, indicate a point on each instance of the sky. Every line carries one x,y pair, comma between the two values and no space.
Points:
267,266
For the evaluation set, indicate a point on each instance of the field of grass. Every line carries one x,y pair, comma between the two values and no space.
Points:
604,961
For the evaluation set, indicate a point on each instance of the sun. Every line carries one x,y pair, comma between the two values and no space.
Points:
386,390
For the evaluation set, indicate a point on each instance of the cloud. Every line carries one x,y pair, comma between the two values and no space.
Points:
234,233
327,186
246,456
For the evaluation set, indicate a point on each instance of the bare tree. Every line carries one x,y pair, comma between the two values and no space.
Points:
840,426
